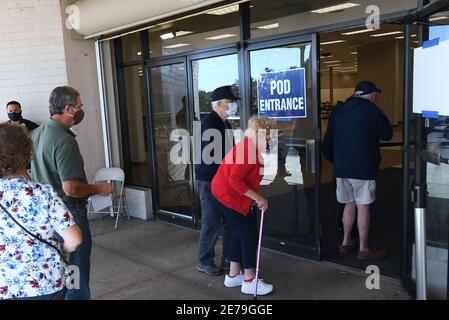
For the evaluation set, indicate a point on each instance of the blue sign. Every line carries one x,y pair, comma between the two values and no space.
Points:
282,95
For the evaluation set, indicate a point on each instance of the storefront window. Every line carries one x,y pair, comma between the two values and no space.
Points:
276,17
208,29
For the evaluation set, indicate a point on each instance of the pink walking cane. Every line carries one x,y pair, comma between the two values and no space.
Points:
258,253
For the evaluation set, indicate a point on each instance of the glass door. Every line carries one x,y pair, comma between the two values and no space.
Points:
208,72
171,119
282,71
427,211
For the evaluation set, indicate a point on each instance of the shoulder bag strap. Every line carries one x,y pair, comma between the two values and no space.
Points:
31,234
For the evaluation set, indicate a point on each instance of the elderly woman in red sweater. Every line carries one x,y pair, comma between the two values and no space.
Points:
236,186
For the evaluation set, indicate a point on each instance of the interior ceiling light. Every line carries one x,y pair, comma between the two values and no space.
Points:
166,36
339,7
358,31
178,45
139,53
224,10
354,53
332,42
269,26
182,33
386,34
438,18
221,36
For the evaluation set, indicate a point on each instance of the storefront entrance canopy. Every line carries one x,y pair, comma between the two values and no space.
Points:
93,18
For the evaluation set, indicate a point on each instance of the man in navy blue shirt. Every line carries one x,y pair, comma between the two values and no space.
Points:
224,105
352,144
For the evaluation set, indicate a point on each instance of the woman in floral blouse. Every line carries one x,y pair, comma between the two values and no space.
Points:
29,268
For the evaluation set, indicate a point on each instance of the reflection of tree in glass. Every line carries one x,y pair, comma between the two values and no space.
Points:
205,101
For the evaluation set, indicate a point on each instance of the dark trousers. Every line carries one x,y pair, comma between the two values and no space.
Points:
212,223
244,236
81,257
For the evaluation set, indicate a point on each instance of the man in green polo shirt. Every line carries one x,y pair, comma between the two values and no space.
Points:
57,161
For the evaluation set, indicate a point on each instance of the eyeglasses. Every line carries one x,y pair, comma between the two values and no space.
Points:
13,111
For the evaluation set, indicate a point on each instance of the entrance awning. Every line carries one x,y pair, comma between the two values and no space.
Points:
103,17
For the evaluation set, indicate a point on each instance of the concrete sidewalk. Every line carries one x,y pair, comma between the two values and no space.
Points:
156,260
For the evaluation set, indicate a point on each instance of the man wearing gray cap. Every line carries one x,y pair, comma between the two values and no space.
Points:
352,144
224,105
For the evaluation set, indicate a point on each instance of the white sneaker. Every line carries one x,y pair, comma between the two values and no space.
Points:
233,282
262,287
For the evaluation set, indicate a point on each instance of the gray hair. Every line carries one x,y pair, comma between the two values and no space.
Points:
214,104
61,97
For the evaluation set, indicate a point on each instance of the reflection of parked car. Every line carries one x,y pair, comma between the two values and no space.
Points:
437,130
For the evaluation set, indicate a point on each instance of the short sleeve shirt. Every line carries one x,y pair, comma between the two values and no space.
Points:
56,157
28,267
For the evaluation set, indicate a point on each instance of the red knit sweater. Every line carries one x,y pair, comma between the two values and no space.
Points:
241,170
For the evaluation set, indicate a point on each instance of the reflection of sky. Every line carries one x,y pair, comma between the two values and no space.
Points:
217,72
439,31
276,59
220,71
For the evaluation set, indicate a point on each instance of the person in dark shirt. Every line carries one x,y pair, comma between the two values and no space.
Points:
14,110
352,144
224,105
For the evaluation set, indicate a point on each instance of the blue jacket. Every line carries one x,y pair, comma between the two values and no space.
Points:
352,139
204,171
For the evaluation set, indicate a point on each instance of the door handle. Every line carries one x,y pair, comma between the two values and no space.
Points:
311,156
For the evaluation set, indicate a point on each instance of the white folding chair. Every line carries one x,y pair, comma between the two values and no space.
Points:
119,203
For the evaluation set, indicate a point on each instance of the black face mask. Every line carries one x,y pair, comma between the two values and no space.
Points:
15,116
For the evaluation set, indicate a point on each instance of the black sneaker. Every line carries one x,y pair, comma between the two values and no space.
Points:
209,270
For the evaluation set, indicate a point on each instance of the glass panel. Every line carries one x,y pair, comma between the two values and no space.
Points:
136,113
290,183
209,74
132,47
208,29
170,113
437,215
274,17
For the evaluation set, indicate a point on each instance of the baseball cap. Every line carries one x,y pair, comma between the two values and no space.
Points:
366,87
224,92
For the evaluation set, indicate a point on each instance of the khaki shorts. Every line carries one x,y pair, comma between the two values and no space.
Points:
361,192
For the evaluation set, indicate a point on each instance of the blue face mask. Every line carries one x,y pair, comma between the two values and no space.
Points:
233,108
15,116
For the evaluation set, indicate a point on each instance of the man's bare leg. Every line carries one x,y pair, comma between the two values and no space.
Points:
349,215
363,221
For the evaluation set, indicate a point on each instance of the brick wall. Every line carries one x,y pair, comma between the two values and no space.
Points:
37,54
32,60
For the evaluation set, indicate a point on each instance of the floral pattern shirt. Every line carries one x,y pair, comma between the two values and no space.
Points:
28,267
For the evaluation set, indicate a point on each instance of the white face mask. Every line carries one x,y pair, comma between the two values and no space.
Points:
232,111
